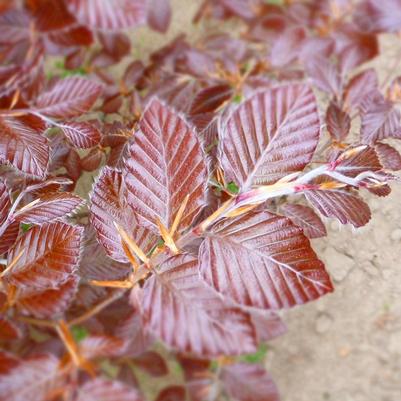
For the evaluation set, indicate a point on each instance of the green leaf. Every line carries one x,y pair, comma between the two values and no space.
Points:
109,369
25,227
79,333
257,357
237,98
232,187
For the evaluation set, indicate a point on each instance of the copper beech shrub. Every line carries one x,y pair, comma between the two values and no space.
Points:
212,164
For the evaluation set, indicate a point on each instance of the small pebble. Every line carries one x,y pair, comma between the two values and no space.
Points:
323,323
396,235
340,264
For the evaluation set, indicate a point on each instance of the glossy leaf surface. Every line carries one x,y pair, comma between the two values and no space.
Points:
245,382
81,134
306,218
23,145
49,207
70,97
166,164
259,137
106,390
50,255
102,14
179,308
109,206
342,205
262,260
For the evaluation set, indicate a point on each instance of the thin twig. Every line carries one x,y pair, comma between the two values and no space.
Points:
98,308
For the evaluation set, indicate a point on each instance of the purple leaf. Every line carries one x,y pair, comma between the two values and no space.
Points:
103,14
82,135
166,164
49,207
23,145
179,308
338,122
306,218
69,97
159,15
109,206
272,134
345,207
249,382
262,260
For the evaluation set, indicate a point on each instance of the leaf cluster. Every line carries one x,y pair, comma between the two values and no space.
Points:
213,165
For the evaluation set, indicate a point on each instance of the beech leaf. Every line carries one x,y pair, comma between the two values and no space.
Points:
69,97
50,255
379,119
249,382
23,145
102,14
172,393
389,157
304,217
8,238
166,164
159,15
270,135
338,122
49,207
9,330
342,205
82,135
152,363
359,88
109,206
5,202
262,260
31,378
50,302
107,390
180,309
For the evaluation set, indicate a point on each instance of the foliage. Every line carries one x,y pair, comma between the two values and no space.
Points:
214,166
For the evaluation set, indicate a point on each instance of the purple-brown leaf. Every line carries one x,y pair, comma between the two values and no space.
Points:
49,207
180,309
69,97
107,390
379,120
262,260
338,122
389,157
249,382
159,15
166,164
31,378
359,88
47,303
272,134
23,145
109,206
304,217
342,205
5,202
103,14
50,255
172,393
82,135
